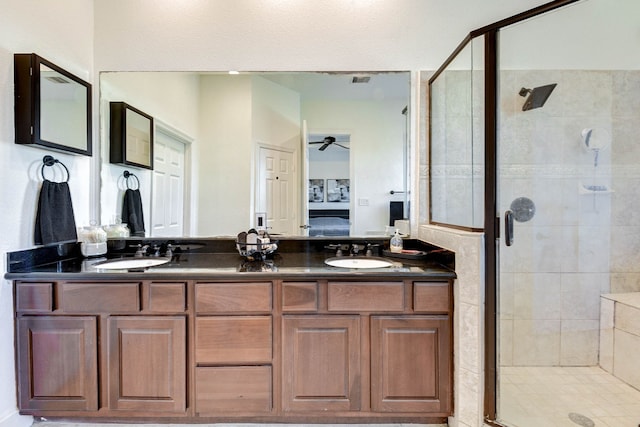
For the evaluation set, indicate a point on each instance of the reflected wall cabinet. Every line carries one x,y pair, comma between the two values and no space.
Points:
52,106
131,136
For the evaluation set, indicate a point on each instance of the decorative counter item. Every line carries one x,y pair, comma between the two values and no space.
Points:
255,245
117,231
93,241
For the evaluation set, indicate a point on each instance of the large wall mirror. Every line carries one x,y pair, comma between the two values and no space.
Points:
52,106
253,137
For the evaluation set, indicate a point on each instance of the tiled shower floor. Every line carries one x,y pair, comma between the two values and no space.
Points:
544,397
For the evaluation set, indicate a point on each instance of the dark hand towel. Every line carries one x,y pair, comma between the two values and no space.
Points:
132,212
54,220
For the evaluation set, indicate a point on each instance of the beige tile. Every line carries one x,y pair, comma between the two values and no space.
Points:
625,357
581,295
628,319
505,354
536,342
548,394
537,296
579,342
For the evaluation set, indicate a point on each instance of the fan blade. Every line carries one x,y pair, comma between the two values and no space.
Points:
325,142
343,146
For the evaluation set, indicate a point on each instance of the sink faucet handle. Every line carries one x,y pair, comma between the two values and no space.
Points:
371,247
142,250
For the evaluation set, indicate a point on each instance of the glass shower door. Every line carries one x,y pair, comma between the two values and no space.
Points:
557,159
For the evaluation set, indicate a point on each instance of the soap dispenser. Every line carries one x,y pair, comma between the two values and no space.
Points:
395,245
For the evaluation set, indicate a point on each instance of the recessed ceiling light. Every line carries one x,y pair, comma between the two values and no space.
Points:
360,79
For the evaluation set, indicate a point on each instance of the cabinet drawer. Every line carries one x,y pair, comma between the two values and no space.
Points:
164,297
216,298
245,389
103,297
300,296
431,297
365,296
233,339
34,297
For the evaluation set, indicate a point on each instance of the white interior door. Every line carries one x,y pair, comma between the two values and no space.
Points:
276,178
167,205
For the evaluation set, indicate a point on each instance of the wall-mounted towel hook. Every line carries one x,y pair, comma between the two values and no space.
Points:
128,175
50,161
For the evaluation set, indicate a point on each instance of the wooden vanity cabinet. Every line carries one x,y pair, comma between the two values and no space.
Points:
369,347
310,350
101,349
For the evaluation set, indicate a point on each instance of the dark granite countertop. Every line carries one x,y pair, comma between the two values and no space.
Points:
215,258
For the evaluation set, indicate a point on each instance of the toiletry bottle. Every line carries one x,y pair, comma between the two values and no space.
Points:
395,245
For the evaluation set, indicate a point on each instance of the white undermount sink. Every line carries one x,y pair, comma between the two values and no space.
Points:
131,263
358,262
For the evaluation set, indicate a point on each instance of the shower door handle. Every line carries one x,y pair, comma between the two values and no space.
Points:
508,227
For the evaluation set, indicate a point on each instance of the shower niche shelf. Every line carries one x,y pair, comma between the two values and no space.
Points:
594,189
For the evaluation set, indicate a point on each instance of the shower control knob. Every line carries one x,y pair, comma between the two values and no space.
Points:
523,209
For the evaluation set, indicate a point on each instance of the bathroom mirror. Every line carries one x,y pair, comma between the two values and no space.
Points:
130,136
52,106
231,119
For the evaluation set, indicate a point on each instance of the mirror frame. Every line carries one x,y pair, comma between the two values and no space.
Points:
118,135
27,104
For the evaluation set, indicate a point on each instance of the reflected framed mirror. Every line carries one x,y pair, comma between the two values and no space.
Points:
131,136
52,106
240,126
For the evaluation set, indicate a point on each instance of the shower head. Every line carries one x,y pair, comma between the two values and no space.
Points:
537,96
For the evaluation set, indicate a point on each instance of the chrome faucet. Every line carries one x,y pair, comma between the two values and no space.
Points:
141,251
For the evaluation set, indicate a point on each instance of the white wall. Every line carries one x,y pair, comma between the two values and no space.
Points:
225,131
41,27
274,35
171,98
376,130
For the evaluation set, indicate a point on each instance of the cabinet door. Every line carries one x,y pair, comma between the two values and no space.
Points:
410,364
57,363
147,363
321,356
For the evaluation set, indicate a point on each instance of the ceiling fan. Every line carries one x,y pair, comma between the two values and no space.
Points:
327,141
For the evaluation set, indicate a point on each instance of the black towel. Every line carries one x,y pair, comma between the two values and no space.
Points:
132,212
54,220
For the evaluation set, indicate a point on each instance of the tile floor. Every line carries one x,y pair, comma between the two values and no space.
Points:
544,397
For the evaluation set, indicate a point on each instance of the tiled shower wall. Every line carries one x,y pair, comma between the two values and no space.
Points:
579,244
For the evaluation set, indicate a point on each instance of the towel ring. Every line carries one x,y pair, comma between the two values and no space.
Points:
50,161
128,175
